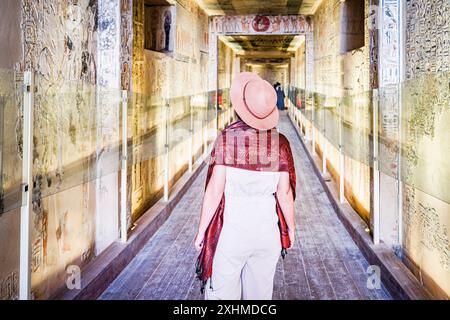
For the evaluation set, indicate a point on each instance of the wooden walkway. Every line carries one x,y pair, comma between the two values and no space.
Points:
324,264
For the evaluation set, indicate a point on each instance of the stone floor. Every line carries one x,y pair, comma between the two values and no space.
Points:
324,264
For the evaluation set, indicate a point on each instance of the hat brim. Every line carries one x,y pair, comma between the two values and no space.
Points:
237,101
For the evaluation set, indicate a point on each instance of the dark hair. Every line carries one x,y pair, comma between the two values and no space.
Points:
237,116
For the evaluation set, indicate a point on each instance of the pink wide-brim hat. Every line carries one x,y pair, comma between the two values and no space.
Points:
254,100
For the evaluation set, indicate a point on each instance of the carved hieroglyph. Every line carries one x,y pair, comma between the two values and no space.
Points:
75,128
258,25
255,24
74,48
425,136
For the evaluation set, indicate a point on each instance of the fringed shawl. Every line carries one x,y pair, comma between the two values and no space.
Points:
242,146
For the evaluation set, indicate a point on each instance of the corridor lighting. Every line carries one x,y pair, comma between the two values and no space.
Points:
296,43
234,45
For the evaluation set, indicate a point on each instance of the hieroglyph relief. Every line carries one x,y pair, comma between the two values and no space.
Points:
61,47
425,135
257,25
261,24
389,78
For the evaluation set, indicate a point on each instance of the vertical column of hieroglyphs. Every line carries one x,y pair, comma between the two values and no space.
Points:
126,42
137,103
108,123
388,110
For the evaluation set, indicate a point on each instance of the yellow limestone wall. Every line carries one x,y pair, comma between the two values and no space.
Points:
158,76
335,75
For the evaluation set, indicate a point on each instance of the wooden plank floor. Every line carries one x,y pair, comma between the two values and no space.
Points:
324,264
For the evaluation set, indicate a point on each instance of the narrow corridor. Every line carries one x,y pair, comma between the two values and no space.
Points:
108,109
324,264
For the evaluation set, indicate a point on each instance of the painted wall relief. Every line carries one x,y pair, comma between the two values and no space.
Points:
159,28
259,24
66,43
158,76
126,42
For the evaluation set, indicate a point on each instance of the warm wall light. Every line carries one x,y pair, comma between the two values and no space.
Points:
315,6
296,43
233,45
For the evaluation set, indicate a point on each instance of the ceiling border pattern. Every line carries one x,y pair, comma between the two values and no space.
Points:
261,24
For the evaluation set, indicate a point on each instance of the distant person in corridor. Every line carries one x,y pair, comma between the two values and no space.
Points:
280,96
247,217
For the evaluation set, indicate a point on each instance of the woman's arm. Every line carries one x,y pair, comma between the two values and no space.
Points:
213,195
286,200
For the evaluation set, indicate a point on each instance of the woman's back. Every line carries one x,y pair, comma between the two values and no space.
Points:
250,199
249,183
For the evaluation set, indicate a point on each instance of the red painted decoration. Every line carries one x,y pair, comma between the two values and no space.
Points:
261,23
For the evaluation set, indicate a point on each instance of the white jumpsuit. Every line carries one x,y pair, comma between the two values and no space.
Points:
249,244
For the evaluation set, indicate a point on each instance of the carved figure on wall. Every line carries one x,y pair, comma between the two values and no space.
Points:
261,24
308,24
285,24
227,24
294,23
245,21
9,286
302,26
167,25
237,26
276,22
218,25
125,75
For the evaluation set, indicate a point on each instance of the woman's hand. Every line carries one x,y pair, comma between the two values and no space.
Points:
198,242
291,237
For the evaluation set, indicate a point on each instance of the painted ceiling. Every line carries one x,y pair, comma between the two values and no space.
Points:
267,61
261,43
264,46
267,7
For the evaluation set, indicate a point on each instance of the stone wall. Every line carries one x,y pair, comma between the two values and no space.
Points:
61,45
158,76
10,136
337,74
425,148
300,67
422,109
225,65
271,73
74,49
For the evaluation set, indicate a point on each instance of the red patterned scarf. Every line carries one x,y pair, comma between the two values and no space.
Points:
241,146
